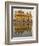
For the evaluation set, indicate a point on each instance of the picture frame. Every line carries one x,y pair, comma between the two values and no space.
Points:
21,22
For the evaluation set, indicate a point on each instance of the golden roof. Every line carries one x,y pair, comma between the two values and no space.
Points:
22,15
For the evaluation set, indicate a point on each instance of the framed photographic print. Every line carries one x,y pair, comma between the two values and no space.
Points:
21,22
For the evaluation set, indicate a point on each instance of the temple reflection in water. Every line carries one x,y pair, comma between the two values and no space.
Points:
22,21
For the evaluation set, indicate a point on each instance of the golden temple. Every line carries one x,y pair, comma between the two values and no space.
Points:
23,21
